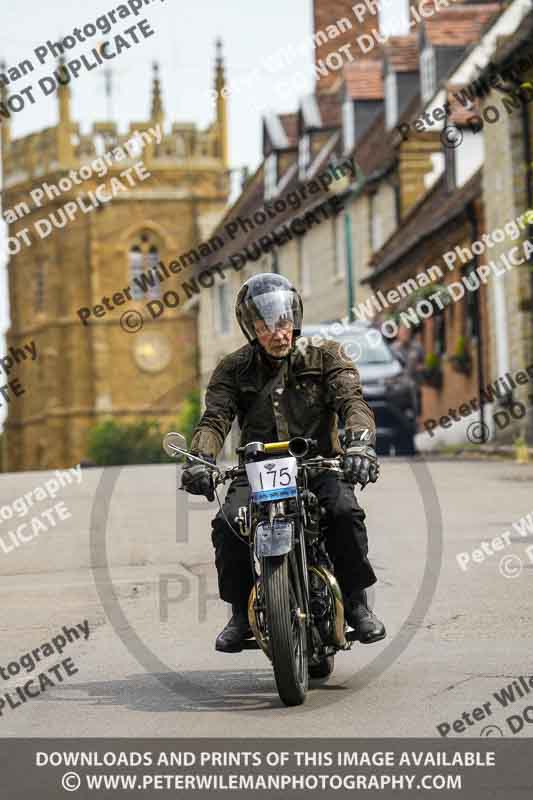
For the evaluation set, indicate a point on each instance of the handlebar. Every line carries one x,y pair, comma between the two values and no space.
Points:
319,462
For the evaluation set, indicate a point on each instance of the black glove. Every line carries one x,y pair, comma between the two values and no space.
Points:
196,478
360,459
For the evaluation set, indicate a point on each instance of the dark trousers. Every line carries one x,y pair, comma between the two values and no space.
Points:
346,542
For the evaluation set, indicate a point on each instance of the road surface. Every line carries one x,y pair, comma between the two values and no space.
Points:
146,585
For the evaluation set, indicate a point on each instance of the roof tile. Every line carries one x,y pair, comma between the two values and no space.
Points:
364,80
330,109
436,209
459,26
402,53
290,126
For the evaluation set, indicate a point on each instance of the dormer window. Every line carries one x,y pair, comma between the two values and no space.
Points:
428,74
391,100
304,156
348,125
271,176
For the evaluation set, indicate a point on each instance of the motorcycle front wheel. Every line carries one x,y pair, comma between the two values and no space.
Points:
287,631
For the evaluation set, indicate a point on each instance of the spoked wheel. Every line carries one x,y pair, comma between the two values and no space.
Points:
323,668
287,632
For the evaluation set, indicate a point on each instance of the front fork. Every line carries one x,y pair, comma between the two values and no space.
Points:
297,562
298,568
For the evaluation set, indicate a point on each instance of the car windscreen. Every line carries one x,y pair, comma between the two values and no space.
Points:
367,347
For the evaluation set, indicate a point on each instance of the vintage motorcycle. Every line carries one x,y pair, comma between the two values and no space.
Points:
295,608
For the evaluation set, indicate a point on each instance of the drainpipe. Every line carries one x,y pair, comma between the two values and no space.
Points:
349,261
472,219
528,155
350,194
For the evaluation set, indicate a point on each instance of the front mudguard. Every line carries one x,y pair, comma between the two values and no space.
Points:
274,540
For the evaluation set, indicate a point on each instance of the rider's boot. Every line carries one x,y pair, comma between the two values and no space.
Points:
367,626
232,637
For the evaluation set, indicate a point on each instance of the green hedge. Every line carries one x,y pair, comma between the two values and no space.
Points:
113,443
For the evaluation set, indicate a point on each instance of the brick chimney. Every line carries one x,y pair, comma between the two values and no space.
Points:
338,23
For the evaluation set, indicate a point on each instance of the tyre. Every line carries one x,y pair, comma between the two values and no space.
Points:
287,632
323,669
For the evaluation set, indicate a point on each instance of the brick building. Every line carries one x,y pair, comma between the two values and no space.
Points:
416,196
480,184
508,195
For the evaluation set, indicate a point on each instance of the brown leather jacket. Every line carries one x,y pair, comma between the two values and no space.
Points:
314,386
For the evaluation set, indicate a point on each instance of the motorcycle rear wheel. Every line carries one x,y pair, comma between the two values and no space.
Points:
287,632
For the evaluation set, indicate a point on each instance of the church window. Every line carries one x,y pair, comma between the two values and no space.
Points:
144,276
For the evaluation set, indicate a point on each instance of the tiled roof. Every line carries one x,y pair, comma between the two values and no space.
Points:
252,200
290,126
330,109
459,26
402,53
378,148
436,209
364,79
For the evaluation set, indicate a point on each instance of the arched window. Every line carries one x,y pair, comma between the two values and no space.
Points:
144,275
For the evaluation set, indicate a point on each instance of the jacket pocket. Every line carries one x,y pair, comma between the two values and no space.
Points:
309,385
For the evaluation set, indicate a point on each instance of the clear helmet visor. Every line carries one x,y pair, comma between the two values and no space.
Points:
272,311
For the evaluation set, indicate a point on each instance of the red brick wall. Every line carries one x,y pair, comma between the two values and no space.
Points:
457,388
328,12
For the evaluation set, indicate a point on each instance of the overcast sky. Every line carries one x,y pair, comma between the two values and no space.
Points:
184,45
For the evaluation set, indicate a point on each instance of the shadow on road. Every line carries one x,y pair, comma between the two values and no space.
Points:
222,690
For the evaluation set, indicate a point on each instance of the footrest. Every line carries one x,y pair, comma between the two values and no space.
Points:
250,644
351,636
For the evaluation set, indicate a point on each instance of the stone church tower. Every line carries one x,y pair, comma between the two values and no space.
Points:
85,373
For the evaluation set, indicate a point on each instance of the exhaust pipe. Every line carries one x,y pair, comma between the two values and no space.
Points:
298,447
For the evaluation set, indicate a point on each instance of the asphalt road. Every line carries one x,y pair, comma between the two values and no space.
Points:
149,668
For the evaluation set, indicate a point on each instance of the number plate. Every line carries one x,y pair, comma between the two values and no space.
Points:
275,540
272,479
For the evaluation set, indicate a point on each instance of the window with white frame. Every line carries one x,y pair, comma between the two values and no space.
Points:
271,175
304,155
428,73
438,163
348,125
391,99
304,268
222,309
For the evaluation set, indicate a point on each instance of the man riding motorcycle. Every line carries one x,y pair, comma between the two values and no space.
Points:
278,391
